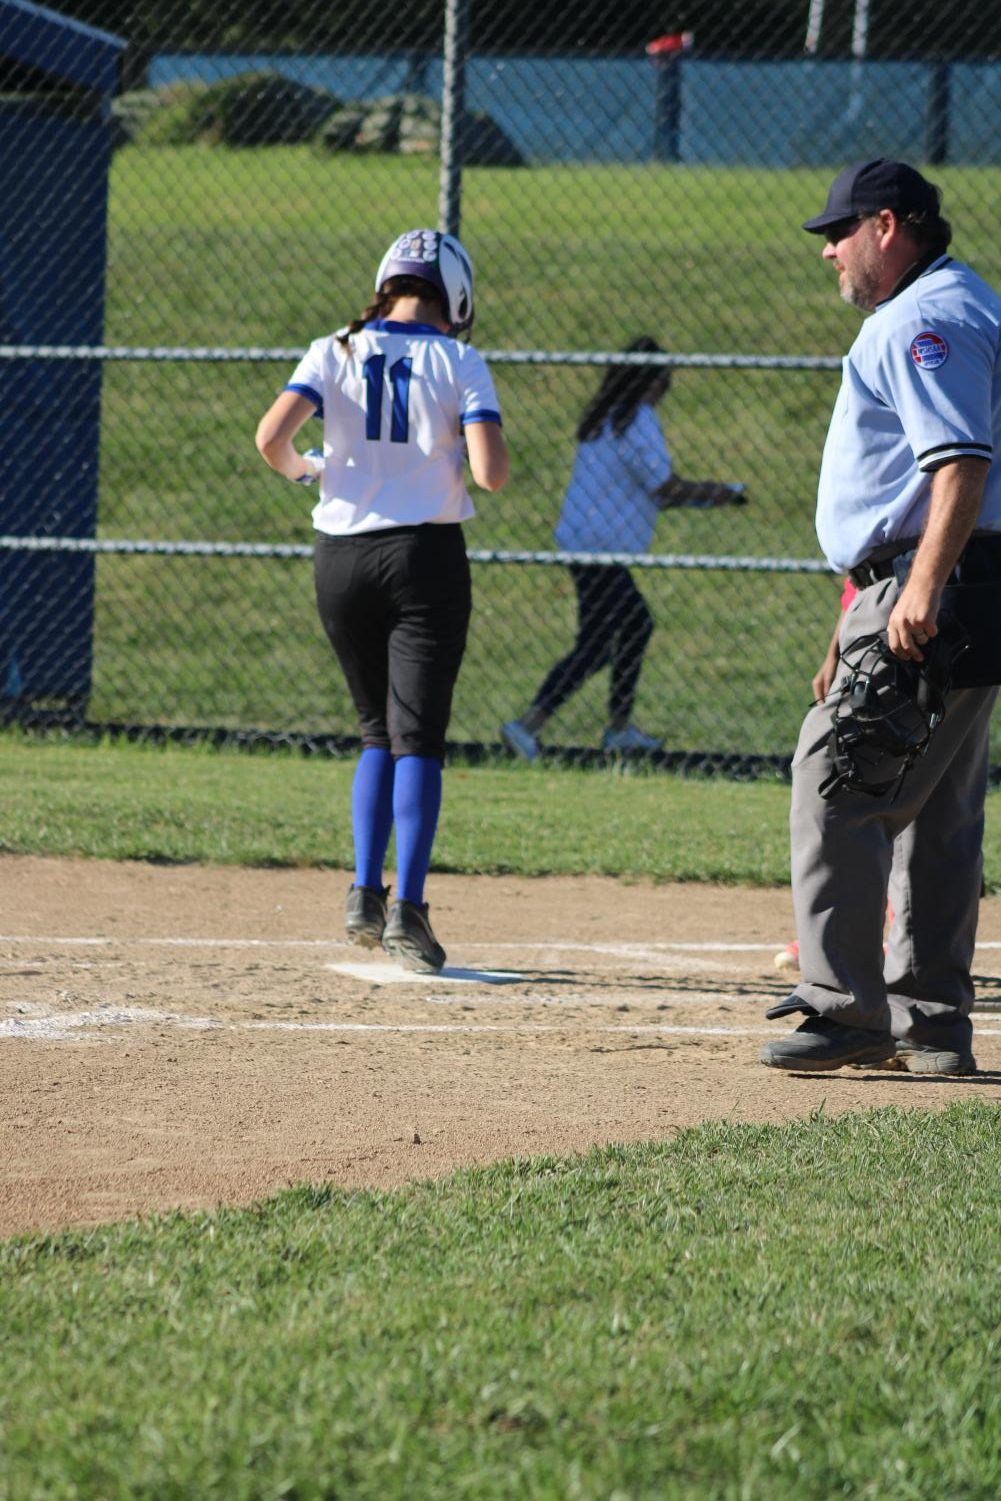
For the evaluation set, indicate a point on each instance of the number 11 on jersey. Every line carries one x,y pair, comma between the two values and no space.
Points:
399,380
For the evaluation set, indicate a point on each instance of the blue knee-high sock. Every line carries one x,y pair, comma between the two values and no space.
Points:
416,805
372,814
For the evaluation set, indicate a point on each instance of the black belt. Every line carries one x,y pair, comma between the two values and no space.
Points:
979,562
864,574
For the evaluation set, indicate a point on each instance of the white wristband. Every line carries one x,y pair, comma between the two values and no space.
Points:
313,459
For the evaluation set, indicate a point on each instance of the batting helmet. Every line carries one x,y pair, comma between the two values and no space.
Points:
439,259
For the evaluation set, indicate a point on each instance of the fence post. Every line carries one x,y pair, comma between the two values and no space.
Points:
453,109
666,52
937,148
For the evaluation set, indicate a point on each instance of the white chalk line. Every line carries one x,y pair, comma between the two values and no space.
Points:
627,950
36,1023
625,1030
197,943
622,997
543,945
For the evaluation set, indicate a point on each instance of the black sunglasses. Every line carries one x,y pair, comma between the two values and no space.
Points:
842,229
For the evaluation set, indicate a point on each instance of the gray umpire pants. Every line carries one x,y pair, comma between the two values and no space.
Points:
923,848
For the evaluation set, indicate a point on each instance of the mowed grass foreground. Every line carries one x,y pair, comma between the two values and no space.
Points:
796,1312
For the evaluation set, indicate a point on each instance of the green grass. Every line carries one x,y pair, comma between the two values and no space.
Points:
796,1312
206,246
183,803
120,801
791,1312
566,256
251,628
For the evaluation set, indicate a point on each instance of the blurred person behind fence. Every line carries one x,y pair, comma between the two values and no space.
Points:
622,479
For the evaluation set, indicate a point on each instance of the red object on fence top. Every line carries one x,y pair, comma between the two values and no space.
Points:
669,44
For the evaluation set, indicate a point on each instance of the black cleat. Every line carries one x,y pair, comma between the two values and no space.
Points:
918,1058
365,915
408,937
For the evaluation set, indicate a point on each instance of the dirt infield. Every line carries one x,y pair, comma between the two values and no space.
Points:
184,1036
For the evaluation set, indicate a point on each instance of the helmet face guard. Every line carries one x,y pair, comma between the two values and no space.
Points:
439,259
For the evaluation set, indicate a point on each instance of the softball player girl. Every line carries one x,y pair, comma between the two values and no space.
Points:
403,404
622,479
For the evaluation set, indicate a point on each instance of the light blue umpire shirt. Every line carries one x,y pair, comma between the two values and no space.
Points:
921,385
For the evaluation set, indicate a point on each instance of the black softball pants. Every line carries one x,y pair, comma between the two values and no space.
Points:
395,605
614,626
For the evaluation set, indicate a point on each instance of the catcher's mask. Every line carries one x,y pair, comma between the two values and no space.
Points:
888,710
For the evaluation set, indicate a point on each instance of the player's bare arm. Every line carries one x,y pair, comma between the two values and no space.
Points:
488,456
956,499
276,430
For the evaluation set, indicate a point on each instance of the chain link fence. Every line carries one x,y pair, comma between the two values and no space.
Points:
193,193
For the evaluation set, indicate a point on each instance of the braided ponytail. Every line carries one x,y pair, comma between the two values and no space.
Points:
387,295
377,309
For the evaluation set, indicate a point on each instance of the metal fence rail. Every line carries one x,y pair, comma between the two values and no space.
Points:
131,547
598,358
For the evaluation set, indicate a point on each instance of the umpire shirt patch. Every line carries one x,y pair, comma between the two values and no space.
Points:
929,350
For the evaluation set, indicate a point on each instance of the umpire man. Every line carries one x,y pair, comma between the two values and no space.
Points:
909,505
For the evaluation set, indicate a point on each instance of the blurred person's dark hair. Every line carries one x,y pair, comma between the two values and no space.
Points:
624,389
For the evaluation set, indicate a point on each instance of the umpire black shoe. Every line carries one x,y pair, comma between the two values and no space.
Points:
921,1058
365,915
819,1043
408,937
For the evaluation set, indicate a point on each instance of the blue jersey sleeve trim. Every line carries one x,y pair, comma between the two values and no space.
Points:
309,393
483,415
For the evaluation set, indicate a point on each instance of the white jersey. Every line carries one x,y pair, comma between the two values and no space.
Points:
610,504
921,385
394,404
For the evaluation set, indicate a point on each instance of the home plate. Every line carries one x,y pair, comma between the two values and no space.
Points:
395,974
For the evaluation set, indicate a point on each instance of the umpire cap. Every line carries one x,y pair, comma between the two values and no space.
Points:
866,187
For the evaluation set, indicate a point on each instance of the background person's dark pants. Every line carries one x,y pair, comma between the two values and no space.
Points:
614,626
395,605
